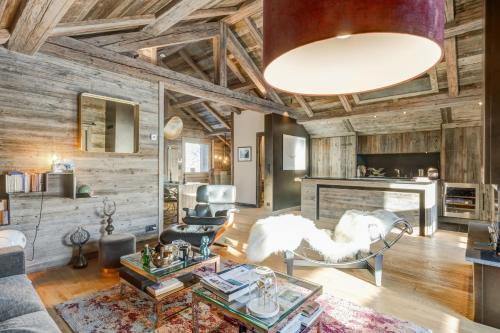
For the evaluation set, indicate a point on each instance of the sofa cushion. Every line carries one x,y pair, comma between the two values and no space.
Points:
35,322
17,297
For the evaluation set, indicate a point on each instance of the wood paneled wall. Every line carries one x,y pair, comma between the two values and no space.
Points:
333,157
400,143
461,159
39,118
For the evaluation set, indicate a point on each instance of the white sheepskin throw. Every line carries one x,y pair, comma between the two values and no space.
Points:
355,232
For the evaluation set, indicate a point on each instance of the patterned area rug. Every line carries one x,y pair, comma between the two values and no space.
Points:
109,311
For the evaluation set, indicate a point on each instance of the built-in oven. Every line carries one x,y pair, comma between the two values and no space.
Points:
461,200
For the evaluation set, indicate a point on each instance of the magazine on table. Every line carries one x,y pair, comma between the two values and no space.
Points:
230,284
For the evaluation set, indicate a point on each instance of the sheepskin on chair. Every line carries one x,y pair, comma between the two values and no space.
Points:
355,232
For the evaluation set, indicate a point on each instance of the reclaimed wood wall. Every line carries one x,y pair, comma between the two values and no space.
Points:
39,118
462,155
400,143
333,157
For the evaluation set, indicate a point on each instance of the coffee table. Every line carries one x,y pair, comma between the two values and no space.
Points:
183,271
237,311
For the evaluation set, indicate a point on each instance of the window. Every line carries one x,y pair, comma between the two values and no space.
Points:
196,157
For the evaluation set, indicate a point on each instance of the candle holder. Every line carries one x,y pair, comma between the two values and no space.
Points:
109,210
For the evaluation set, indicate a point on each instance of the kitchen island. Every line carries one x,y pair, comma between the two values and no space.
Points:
326,199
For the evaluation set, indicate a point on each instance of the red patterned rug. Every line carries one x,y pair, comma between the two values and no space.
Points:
110,311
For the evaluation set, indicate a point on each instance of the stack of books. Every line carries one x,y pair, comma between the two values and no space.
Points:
303,320
4,213
230,284
310,314
22,182
165,287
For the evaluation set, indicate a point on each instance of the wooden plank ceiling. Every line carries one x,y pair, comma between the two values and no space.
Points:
218,43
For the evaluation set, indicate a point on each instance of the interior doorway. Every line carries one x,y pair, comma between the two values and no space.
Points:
260,156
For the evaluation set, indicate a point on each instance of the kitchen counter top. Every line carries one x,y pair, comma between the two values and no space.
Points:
377,179
326,199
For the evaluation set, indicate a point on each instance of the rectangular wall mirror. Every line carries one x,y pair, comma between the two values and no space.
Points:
108,124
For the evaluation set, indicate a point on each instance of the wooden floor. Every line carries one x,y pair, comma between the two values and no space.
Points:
426,280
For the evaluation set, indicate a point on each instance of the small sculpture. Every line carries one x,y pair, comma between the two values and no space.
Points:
204,249
79,238
109,210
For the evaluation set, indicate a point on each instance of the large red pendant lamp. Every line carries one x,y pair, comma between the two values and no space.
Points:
329,47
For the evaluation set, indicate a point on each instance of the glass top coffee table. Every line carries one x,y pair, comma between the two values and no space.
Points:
134,274
134,263
305,293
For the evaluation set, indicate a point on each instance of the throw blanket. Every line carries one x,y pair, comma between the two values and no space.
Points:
355,232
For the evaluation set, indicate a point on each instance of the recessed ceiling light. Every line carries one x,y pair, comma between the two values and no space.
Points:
480,103
393,44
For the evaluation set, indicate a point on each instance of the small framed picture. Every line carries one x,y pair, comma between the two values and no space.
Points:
244,154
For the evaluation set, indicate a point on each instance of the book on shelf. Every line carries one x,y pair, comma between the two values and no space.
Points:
164,287
230,284
22,182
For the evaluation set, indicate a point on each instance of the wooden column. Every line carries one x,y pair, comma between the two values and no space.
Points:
220,56
492,92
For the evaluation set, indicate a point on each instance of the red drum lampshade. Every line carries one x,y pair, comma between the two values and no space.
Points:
329,47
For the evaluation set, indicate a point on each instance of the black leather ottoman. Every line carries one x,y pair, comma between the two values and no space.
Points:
188,233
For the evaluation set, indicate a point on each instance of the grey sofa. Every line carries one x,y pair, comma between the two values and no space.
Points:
21,310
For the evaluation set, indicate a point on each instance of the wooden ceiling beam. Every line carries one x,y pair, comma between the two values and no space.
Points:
205,77
193,101
177,11
235,70
216,115
101,25
305,106
219,132
211,13
345,103
79,51
246,62
449,7
35,23
456,29
134,41
187,59
249,8
248,65
220,56
80,10
254,31
415,104
224,141
4,36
